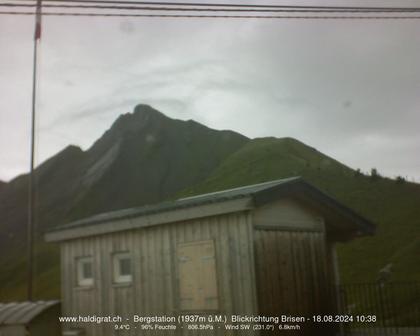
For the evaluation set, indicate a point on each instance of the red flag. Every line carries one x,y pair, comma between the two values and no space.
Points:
38,20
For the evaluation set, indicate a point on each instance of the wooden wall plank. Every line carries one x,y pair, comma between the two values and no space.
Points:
154,289
291,274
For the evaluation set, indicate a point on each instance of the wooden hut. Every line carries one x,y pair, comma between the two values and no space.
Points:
38,318
259,250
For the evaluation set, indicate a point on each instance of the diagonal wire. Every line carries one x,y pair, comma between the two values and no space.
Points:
201,9
335,17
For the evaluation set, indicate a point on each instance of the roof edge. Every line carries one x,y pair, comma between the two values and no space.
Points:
160,218
301,187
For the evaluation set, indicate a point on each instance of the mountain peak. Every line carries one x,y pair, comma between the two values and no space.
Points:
142,116
145,109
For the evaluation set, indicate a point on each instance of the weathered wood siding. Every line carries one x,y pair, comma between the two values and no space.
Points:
291,263
292,277
154,290
287,214
45,323
13,330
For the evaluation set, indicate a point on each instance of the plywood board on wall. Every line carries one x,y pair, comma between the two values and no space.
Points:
197,276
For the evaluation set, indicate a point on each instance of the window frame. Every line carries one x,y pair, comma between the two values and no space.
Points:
117,277
81,280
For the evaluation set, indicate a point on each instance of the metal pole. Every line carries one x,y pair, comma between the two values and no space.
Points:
31,189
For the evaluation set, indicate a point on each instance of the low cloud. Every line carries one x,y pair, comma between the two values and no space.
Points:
350,90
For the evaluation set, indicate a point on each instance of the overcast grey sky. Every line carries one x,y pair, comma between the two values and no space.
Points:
351,89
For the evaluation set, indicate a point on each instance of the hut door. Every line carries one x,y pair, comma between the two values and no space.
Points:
197,276
291,274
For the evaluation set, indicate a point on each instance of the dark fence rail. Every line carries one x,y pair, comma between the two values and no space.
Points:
381,308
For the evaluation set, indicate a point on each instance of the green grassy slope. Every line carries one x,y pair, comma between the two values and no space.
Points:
143,158
47,275
393,206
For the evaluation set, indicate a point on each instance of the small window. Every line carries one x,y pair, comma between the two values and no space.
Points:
85,271
122,267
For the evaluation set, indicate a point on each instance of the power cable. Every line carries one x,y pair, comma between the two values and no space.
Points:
226,10
227,5
310,17
142,8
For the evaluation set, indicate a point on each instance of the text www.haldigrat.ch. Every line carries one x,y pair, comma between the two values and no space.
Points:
91,319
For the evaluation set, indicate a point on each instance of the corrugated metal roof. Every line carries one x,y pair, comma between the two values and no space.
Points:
218,196
261,194
22,312
241,191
